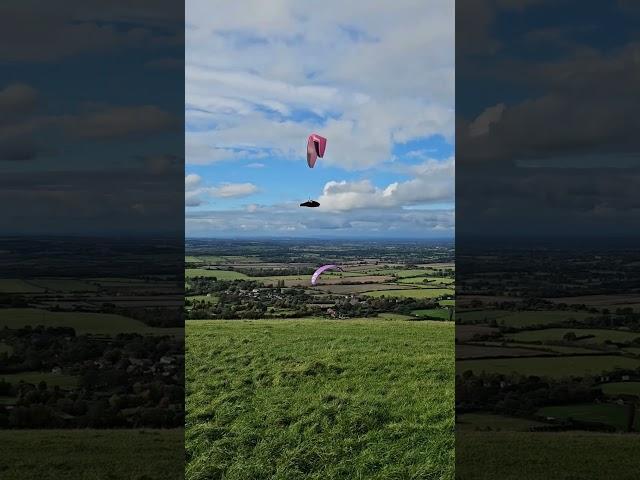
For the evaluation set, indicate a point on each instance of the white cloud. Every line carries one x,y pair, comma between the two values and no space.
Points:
196,192
292,220
366,76
433,182
192,181
228,190
256,165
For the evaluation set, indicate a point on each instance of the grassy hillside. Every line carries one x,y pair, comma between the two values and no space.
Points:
559,456
92,454
320,399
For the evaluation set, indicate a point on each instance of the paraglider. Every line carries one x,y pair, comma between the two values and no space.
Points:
321,270
316,146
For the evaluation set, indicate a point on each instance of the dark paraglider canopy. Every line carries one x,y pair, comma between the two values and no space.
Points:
310,203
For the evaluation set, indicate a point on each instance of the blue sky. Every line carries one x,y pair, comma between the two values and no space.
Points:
378,82
91,118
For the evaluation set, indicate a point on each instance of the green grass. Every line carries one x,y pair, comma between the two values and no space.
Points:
617,388
82,322
555,367
542,317
15,285
63,285
394,316
219,274
482,421
441,313
557,456
203,298
447,303
432,281
4,348
92,454
614,415
556,334
412,293
62,381
319,399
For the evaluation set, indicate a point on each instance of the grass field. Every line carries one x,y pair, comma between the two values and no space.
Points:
63,285
441,313
309,399
15,285
219,274
557,456
614,415
413,293
483,421
4,348
555,367
617,388
92,454
556,334
62,381
203,298
82,322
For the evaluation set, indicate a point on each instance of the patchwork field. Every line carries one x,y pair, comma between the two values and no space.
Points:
319,399
92,454
485,421
82,322
62,381
558,456
413,293
608,414
556,334
550,367
617,388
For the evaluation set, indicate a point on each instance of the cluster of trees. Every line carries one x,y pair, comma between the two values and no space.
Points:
126,380
513,395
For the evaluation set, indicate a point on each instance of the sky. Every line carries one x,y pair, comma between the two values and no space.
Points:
375,79
91,117
547,118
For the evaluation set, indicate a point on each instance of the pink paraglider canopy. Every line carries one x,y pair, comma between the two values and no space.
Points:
321,270
315,148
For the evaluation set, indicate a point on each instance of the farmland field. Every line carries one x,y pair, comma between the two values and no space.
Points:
441,313
82,322
102,454
221,274
413,293
609,414
558,456
321,399
15,285
483,421
599,335
550,367
617,388
62,381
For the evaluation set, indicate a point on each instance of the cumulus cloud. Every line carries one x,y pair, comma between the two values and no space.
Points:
258,84
17,99
197,192
113,122
228,190
291,220
433,182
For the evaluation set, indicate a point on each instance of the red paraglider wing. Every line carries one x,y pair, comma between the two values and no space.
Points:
316,146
